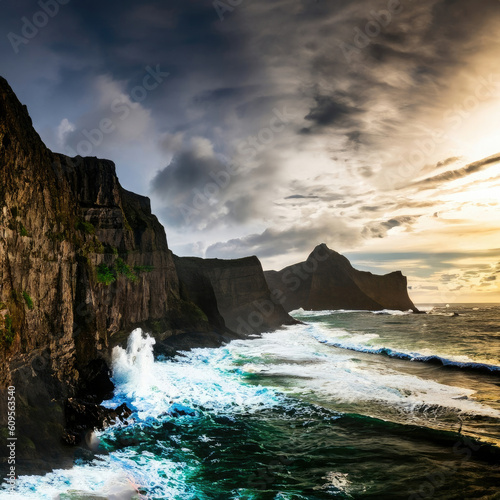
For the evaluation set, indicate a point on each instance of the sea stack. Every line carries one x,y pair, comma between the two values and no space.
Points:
327,280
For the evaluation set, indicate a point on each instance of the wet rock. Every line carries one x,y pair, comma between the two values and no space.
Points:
83,415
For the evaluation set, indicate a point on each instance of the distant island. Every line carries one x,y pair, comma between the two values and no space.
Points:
327,280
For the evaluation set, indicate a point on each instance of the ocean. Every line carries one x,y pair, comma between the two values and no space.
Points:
346,405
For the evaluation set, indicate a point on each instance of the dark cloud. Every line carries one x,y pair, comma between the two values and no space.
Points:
490,278
448,161
193,187
378,229
273,242
200,190
451,175
332,110
323,191
300,197
187,170
449,277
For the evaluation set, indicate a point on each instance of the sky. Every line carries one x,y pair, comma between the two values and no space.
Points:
266,127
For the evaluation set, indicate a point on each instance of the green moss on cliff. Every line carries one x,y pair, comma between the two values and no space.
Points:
86,227
105,274
122,268
8,333
28,300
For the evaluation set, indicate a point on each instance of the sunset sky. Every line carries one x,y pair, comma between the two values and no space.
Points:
268,126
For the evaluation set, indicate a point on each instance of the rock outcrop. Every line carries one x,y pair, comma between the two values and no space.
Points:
327,280
233,293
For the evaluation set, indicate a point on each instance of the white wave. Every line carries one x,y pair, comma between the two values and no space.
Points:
119,476
325,312
362,343
335,376
425,307
133,368
328,312
194,379
303,312
393,312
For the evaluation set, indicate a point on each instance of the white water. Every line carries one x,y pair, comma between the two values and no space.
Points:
328,312
212,381
202,379
322,373
151,388
133,368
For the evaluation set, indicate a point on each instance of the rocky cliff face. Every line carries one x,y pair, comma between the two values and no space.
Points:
326,280
82,259
233,292
82,262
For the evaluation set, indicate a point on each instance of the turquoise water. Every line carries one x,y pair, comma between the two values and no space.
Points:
347,405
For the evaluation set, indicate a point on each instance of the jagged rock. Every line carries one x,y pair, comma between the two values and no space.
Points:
234,291
84,415
327,280
178,410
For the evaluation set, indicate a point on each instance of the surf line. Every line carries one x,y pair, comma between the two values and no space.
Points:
432,359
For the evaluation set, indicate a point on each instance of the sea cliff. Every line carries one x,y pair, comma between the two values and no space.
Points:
82,263
327,280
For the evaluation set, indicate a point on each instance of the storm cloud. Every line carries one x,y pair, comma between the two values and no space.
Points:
346,120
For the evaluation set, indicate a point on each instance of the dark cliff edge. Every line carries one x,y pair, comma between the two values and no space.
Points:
82,263
233,293
327,280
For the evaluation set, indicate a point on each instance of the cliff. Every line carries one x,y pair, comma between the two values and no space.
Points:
82,263
82,259
233,292
327,280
